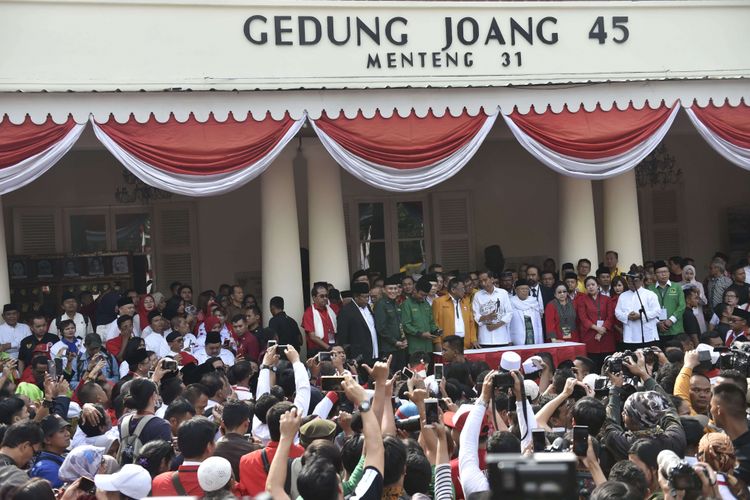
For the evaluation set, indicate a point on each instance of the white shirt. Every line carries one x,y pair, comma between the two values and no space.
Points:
157,343
631,330
367,315
243,393
226,356
497,302
606,293
82,326
14,335
57,346
113,330
517,325
458,318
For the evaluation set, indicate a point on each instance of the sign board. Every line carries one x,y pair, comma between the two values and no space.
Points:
105,45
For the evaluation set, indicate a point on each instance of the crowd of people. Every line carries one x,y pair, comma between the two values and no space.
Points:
378,391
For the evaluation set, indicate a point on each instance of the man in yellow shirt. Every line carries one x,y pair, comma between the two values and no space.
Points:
453,315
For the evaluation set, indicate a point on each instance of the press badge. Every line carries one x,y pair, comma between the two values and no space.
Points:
663,314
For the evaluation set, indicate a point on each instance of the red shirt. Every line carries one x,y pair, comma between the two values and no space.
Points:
482,453
248,346
114,345
186,358
552,321
308,324
188,474
252,471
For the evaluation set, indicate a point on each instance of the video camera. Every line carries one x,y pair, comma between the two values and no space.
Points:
680,475
614,364
737,358
543,476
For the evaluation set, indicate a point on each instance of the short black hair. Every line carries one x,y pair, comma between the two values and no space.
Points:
22,432
194,436
152,454
277,302
395,460
456,342
273,418
239,371
418,474
736,377
9,408
591,412
693,430
647,451
351,452
587,362
194,391
178,408
170,389
316,287
503,442
122,319
560,377
235,414
263,404
213,382
630,474
139,393
87,392
254,308
614,490
318,479
92,430
732,399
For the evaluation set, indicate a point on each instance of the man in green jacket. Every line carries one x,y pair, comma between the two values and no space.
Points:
672,301
416,317
387,315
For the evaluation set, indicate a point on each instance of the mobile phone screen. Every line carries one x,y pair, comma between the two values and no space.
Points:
580,440
431,410
331,383
407,373
540,443
438,371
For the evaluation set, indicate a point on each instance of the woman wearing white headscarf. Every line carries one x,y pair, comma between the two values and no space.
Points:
689,281
79,468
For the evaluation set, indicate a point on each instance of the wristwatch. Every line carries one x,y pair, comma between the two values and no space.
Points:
48,404
364,406
268,367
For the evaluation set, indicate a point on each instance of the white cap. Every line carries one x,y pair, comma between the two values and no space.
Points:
132,480
529,366
590,380
510,361
532,390
74,410
214,473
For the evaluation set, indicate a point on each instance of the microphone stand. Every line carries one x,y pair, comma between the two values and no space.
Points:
642,312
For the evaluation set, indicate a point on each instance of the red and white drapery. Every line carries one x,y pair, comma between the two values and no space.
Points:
403,154
592,144
28,150
726,128
197,158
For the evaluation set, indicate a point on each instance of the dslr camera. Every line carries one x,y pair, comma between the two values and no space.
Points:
544,476
679,473
737,358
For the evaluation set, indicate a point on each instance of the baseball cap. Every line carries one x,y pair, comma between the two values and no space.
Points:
52,424
318,428
214,473
531,389
529,367
132,480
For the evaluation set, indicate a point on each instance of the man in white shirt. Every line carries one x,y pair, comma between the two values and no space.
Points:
125,307
638,309
70,311
12,332
492,312
154,334
213,349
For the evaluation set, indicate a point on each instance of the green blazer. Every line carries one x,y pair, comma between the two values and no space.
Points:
416,317
673,299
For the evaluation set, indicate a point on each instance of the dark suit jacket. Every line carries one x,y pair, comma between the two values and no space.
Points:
353,333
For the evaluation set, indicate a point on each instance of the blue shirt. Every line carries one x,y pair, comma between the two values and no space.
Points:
47,466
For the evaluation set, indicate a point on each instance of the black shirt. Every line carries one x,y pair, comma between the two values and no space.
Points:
29,343
742,291
742,451
286,329
690,323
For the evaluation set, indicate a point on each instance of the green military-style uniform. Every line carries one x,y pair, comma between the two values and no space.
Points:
416,317
672,298
387,315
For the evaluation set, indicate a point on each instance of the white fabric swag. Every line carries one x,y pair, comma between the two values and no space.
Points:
405,180
194,185
26,171
600,168
736,154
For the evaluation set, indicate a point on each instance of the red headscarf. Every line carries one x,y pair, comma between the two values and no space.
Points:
211,322
143,312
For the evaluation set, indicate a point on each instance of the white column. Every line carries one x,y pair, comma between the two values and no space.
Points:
622,226
280,250
329,259
576,220
4,280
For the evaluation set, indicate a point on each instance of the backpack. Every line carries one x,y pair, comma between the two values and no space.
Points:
130,444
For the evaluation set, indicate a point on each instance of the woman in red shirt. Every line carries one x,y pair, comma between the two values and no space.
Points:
595,313
560,317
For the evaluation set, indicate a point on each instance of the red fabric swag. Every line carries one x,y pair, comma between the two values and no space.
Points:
731,123
403,143
594,134
197,148
19,142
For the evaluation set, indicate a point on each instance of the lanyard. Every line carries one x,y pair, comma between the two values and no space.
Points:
662,292
598,307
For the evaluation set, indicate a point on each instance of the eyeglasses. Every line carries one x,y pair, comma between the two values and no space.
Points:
323,296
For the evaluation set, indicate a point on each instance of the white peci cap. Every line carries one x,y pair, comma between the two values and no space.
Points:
510,361
214,473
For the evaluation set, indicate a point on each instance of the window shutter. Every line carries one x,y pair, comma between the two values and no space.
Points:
36,232
453,223
663,225
175,251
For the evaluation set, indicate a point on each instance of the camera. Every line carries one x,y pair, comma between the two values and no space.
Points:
503,381
331,383
543,476
736,359
649,355
601,386
169,364
410,424
679,473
